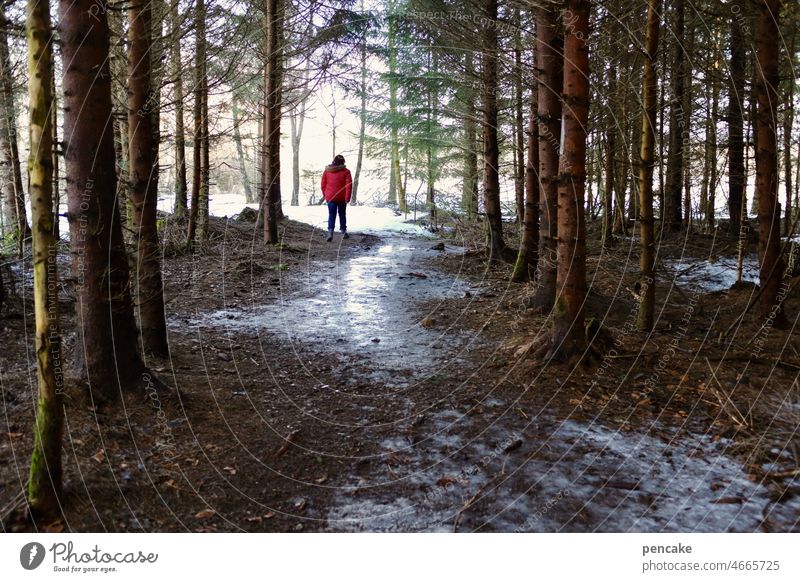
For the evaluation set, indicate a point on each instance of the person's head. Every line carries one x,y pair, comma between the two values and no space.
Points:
338,160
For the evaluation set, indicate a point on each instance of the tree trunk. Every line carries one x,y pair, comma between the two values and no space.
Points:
180,208
44,485
56,191
272,120
528,255
736,108
519,132
469,196
10,173
672,216
142,146
769,218
788,121
550,61
107,334
362,118
394,158
713,173
646,220
569,337
608,187
198,216
237,138
495,246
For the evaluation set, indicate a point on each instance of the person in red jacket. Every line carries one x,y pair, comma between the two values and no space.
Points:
337,185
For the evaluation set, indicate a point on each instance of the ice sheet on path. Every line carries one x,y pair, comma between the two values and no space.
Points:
583,478
707,276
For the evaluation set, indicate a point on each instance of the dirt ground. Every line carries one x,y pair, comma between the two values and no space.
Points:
385,383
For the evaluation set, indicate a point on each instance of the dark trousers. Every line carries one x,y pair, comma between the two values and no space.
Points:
341,208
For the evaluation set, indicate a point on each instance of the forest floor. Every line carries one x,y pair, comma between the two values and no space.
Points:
384,383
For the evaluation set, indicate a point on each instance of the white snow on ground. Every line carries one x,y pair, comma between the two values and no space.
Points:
366,219
707,276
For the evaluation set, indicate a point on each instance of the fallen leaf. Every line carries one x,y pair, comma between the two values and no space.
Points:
255,519
300,504
230,470
445,481
321,480
205,514
99,456
14,435
269,515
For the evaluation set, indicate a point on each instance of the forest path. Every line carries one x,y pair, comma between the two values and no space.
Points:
417,434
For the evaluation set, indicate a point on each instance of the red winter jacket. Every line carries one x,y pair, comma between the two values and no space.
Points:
337,184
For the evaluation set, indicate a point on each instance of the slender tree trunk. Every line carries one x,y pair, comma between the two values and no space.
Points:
394,160
198,205
646,220
736,108
272,120
107,329
713,175
44,485
788,120
551,79
769,217
528,255
10,172
672,216
608,188
569,337
181,189
362,118
519,132
296,122
237,138
143,169
56,191
469,196
495,246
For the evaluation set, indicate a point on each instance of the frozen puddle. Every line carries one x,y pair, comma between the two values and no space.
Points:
705,276
555,476
361,306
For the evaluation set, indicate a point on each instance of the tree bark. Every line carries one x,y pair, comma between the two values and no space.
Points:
362,118
519,132
44,485
395,180
769,216
181,207
569,337
736,108
107,329
528,255
272,120
198,212
469,195
550,61
10,172
672,216
646,220
788,121
237,138
142,148
495,246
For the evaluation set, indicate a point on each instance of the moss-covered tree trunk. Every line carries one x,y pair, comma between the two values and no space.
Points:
646,219
44,485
